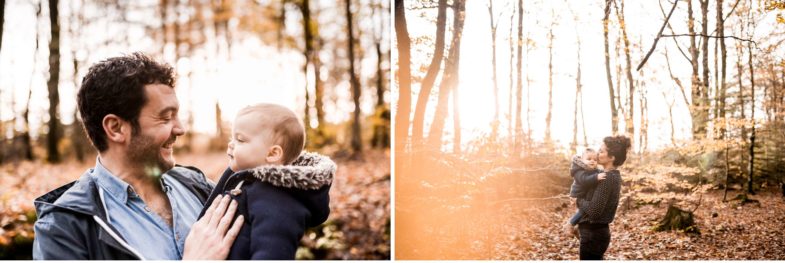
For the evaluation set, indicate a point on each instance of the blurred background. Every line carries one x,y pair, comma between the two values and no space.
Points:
326,60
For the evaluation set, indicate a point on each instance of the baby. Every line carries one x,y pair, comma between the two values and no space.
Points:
585,177
280,190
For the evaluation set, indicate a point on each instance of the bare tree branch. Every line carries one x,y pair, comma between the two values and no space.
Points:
677,81
674,39
654,45
702,35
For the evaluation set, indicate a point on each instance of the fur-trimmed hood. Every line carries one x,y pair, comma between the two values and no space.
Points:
310,171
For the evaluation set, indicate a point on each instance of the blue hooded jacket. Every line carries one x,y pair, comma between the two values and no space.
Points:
278,203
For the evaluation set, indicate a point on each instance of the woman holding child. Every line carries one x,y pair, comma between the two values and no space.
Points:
599,208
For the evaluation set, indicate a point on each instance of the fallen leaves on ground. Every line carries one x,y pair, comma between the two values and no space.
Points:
516,211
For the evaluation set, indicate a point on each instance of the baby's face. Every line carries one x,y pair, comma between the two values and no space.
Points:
249,144
590,158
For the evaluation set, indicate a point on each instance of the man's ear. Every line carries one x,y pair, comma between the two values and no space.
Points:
117,130
275,154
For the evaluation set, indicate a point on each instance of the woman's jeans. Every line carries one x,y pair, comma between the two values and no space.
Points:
594,240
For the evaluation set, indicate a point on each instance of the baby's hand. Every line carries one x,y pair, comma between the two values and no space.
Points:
601,176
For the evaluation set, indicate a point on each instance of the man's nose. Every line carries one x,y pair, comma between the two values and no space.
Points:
178,128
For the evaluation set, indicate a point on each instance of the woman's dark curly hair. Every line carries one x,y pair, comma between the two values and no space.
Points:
116,86
617,147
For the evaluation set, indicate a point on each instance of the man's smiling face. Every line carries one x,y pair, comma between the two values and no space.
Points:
159,127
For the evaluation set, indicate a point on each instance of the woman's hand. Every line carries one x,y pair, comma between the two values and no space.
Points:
209,238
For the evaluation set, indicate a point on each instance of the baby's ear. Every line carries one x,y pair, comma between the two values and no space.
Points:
275,154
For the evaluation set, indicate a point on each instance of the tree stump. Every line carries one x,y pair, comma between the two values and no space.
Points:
744,199
678,219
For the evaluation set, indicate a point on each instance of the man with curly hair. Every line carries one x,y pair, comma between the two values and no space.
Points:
136,203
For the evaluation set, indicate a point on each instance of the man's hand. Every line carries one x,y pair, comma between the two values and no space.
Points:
209,238
601,176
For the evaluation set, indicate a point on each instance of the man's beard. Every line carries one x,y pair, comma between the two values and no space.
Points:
145,152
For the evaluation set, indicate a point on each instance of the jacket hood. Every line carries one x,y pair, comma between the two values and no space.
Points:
577,160
78,196
310,171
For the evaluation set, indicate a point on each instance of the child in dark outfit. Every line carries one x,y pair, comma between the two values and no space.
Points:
585,176
281,190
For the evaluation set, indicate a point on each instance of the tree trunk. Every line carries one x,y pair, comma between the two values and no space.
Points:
430,77
449,77
630,81
381,135
723,64
27,146
510,126
740,74
53,136
644,102
76,130
307,105
528,142
550,85
219,128
311,54
694,78
619,102
670,118
703,111
280,19
403,109
519,82
456,107
2,22
752,117
644,124
305,9
614,113
583,123
727,167
574,144
456,115
163,8
318,86
698,119
495,124
356,132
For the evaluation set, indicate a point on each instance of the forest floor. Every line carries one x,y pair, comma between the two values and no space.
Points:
467,208
741,232
358,226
